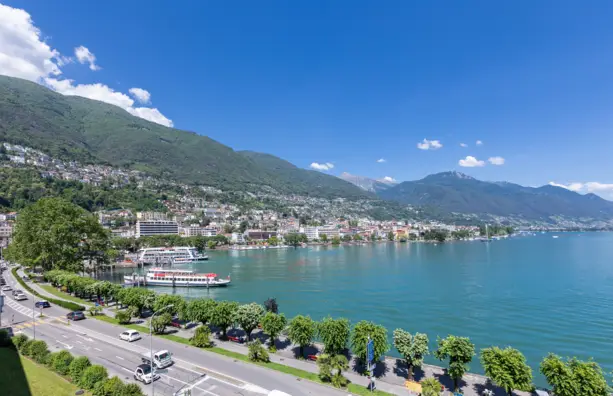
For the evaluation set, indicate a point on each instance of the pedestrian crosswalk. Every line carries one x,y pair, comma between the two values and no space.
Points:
19,308
28,324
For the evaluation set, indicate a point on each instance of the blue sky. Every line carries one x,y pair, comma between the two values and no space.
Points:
351,82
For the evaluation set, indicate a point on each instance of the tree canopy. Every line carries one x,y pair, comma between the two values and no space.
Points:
359,339
413,348
301,331
56,234
507,368
459,351
334,333
248,316
574,377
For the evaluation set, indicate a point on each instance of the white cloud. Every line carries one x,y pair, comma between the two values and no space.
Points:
142,95
571,186
479,143
84,55
496,160
388,179
322,167
463,145
470,162
429,145
25,54
603,189
381,160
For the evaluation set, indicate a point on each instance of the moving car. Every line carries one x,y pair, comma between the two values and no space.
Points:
130,335
161,359
17,291
20,297
75,315
42,304
6,288
143,374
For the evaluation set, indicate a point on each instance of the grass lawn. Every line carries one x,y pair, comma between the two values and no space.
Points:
353,388
22,377
65,296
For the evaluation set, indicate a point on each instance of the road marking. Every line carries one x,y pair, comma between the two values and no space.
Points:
65,345
79,342
119,357
99,350
85,338
64,335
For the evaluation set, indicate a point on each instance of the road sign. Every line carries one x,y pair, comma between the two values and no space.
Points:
370,349
1,302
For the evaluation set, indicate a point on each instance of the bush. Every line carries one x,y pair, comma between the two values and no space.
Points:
132,390
92,375
5,338
201,338
160,322
61,362
19,340
96,310
38,351
257,352
123,317
64,304
430,387
109,387
331,369
99,388
77,367
24,349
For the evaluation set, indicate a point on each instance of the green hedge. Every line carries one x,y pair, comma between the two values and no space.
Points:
64,304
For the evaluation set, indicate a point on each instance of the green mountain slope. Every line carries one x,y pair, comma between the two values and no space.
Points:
90,131
456,192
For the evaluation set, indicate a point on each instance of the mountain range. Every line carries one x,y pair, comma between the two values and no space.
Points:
460,193
89,131
93,132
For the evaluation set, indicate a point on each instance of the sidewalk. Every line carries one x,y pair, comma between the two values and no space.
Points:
390,373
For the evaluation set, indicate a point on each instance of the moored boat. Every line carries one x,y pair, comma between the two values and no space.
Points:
176,278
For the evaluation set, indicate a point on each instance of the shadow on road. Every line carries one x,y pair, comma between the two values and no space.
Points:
13,380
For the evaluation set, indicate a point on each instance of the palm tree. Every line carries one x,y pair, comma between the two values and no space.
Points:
430,387
331,369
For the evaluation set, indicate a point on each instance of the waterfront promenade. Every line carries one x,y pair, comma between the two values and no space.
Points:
390,373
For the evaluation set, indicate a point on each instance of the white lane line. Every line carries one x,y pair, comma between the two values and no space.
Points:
99,350
79,342
64,335
85,338
119,357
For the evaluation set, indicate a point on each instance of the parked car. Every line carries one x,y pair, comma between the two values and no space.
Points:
17,291
20,297
6,288
42,304
75,315
130,335
143,374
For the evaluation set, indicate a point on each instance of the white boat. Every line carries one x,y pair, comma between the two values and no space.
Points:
175,277
175,254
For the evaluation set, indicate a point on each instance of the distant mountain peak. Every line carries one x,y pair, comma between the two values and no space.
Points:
449,175
368,184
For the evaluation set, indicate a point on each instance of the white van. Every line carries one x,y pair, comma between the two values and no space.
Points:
161,359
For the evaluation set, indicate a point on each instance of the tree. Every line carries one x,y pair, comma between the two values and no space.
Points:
243,226
200,310
413,348
92,375
222,315
507,368
359,340
159,322
271,305
178,304
357,237
273,324
334,333
123,317
430,387
574,377
459,351
202,337
273,241
211,245
390,236
336,241
331,369
248,317
346,238
257,352
138,297
301,331
323,238
54,233
293,239
77,367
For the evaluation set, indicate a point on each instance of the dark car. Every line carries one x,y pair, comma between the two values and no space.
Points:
42,304
76,315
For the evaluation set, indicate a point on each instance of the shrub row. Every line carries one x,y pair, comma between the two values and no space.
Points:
65,304
79,369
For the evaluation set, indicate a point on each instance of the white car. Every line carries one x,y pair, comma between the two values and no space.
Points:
143,374
6,288
130,335
20,297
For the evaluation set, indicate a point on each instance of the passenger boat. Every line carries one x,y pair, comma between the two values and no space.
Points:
175,254
176,278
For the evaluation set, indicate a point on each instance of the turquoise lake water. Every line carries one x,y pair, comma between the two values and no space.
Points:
538,294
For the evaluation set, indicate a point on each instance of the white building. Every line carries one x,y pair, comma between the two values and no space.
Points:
156,227
151,216
6,230
237,237
329,231
310,232
195,230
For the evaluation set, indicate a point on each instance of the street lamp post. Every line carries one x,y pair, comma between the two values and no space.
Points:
151,346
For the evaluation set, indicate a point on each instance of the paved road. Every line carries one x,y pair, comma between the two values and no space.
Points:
209,373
